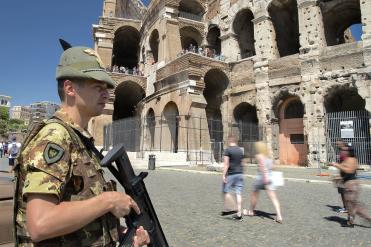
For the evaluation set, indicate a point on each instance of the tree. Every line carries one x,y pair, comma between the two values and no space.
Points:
4,113
16,125
3,127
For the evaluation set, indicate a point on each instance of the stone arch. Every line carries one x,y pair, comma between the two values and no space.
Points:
213,38
154,42
150,128
281,95
292,146
246,126
338,16
284,15
189,37
125,50
127,95
191,6
243,27
343,98
170,135
216,81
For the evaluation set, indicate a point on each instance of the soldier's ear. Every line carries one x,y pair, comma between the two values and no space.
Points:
69,89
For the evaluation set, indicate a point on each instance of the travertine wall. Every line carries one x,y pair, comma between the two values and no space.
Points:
264,80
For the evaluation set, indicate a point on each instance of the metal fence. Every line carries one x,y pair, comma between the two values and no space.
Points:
352,127
202,139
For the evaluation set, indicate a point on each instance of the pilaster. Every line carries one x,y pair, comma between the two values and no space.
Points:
265,38
312,36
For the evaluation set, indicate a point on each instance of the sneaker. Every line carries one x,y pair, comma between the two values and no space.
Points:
342,210
236,217
224,213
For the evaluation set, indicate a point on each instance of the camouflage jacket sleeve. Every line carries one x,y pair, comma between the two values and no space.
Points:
47,161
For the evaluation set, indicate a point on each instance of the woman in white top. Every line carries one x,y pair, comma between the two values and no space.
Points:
263,181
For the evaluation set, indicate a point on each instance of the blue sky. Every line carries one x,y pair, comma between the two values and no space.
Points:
29,45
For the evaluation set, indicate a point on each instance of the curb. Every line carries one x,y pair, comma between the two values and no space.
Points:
252,176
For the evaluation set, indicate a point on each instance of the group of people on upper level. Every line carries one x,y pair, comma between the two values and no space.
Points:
206,52
125,70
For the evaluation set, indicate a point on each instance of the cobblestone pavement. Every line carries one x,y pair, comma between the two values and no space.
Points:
188,206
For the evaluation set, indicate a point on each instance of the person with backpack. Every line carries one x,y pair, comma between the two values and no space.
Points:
61,195
1,149
13,151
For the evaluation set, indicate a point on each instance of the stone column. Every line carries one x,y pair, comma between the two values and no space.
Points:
366,28
264,105
230,47
170,35
312,41
266,49
265,37
312,36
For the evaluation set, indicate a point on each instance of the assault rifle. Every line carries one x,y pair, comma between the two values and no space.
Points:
136,189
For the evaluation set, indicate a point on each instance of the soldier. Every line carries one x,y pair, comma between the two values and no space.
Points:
62,198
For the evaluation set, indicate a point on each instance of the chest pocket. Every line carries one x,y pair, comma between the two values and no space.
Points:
87,178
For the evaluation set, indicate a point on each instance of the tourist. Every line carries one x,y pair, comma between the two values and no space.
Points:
351,187
13,150
233,181
263,181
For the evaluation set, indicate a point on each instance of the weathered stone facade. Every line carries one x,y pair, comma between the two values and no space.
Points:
270,53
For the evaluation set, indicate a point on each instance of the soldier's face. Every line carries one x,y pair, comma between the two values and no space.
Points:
91,97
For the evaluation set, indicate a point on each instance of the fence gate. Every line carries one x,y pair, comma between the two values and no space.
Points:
350,127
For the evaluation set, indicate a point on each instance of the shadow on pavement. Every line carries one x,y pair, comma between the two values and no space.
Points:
263,214
342,221
334,208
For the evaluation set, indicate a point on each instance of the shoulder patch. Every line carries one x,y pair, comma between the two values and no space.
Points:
53,153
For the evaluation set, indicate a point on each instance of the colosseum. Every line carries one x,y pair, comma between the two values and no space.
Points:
190,73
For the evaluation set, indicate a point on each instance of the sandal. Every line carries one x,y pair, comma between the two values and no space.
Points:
279,221
248,212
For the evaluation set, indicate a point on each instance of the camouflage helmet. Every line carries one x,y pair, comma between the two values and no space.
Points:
83,62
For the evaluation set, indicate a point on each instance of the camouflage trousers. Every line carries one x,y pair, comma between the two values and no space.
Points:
352,204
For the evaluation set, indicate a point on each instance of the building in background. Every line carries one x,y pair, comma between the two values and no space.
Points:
22,113
191,72
42,110
5,100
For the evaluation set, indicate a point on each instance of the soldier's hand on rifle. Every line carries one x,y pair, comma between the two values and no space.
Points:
141,237
120,204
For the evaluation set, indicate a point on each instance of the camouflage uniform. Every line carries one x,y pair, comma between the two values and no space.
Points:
56,162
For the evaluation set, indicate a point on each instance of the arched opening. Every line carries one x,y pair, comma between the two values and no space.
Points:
190,38
292,146
243,27
215,84
126,47
246,120
127,95
150,127
284,14
171,129
191,9
349,121
154,42
344,99
341,20
213,39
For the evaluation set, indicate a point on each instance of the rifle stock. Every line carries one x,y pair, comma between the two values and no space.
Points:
136,189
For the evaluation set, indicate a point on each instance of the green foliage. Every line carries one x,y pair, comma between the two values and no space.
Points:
10,125
3,127
4,113
16,121
16,125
